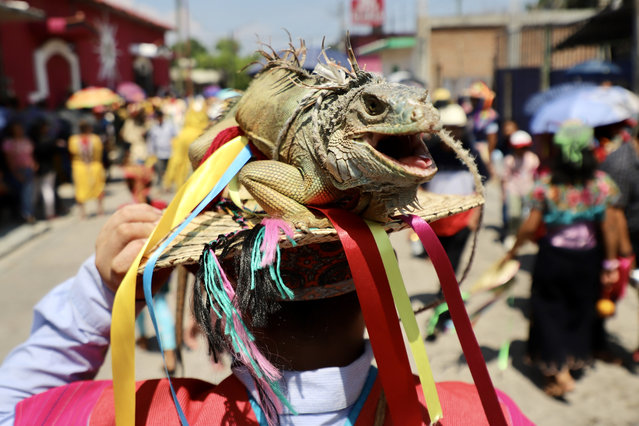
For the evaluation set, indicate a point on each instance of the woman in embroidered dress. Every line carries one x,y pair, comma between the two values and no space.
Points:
86,167
574,259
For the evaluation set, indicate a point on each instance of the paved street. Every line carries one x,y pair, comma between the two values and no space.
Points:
606,394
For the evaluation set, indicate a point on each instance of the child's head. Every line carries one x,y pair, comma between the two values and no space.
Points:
520,141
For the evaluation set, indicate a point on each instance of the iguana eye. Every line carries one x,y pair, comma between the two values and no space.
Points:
374,106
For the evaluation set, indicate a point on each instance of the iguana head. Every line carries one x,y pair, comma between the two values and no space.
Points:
377,136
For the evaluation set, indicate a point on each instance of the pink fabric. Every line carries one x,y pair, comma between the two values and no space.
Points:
56,25
19,153
577,236
50,407
519,173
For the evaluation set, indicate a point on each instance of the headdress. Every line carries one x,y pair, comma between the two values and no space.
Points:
232,233
480,90
520,139
453,115
572,138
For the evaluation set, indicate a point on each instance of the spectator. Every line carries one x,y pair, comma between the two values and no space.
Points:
18,151
46,148
159,141
517,180
483,120
178,167
454,178
317,341
576,257
86,166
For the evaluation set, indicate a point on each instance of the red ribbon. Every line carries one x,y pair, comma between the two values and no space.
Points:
463,327
379,312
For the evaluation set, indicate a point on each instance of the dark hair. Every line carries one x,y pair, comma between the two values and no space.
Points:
12,126
567,172
85,127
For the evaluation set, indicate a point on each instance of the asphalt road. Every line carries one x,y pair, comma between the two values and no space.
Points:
605,394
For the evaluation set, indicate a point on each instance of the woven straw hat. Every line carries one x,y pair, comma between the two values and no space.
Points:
187,247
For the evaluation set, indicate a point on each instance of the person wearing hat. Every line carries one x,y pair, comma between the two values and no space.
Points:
441,97
518,176
452,178
89,176
483,120
571,208
289,306
316,341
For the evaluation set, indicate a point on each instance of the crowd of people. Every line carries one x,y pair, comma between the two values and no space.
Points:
578,203
43,149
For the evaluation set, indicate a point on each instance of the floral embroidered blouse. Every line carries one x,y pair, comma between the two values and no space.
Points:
571,212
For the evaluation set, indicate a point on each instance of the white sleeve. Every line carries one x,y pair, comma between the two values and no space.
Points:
68,341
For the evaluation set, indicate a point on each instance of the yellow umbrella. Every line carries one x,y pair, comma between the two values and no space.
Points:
91,97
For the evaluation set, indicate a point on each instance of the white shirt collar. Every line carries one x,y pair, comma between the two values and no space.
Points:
319,391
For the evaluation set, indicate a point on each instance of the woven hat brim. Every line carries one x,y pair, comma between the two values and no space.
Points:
187,246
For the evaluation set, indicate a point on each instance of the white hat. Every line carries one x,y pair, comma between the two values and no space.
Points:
520,139
453,115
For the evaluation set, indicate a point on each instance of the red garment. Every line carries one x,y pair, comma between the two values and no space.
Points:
91,402
447,226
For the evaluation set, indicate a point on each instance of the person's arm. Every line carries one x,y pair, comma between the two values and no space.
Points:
70,332
611,238
69,338
526,232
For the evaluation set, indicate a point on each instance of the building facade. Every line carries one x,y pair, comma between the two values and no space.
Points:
71,44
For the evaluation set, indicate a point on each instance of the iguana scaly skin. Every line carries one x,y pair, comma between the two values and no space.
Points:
334,136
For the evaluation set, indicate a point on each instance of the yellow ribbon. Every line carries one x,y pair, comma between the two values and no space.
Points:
406,314
188,197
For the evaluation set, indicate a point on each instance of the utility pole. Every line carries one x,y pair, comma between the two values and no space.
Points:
423,42
635,48
514,58
178,46
189,81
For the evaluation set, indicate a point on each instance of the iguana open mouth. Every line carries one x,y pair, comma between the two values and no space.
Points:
407,150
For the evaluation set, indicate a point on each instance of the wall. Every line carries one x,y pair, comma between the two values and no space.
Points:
20,40
461,55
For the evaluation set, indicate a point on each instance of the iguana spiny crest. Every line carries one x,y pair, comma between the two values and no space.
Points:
332,136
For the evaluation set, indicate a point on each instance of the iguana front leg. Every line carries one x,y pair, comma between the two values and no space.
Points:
282,190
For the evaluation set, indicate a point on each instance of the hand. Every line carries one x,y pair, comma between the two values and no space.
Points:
510,255
608,278
121,239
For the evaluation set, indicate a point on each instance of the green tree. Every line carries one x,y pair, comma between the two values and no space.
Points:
199,52
227,59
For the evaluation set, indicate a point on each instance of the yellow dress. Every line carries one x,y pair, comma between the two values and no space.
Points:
179,166
86,167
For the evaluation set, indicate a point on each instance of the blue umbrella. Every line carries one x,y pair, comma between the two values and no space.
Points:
594,106
313,57
595,68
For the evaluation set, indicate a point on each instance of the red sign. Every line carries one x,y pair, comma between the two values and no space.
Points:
367,12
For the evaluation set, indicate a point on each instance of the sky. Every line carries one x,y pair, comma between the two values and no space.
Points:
251,20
